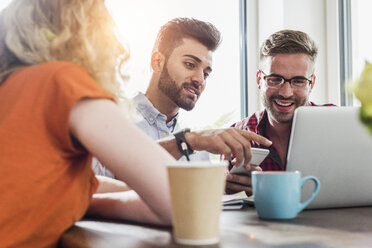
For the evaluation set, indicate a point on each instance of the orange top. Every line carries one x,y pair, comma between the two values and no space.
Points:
46,183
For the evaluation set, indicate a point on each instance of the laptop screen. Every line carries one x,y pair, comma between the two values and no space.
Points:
331,144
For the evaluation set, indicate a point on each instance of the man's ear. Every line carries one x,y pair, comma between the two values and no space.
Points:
313,82
258,79
157,62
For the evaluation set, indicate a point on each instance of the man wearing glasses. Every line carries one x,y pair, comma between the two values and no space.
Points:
285,80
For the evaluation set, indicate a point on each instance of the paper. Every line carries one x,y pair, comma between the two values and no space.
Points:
236,201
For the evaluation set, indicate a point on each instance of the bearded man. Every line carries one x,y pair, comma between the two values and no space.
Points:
181,62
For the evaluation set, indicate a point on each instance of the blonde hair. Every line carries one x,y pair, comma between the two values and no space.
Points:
288,42
78,31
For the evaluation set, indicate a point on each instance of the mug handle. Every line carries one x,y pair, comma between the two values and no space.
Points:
316,191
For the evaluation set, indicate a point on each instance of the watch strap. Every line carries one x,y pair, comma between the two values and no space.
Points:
182,144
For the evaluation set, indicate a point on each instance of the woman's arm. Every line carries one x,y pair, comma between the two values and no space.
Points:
110,185
119,204
102,129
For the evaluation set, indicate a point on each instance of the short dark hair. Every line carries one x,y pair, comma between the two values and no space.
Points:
288,42
171,34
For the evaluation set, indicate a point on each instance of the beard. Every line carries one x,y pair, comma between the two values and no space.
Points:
169,87
282,117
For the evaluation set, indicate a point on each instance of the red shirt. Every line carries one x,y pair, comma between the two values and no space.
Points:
256,123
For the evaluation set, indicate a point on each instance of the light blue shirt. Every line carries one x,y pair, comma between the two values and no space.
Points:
155,126
153,123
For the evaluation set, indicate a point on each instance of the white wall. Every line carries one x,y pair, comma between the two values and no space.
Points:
318,18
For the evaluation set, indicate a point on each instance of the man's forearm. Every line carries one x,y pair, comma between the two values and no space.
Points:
218,141
170,145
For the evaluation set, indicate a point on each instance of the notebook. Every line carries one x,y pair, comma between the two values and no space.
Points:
236,201
332,144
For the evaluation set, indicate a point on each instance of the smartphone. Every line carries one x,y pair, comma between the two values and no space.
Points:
258,155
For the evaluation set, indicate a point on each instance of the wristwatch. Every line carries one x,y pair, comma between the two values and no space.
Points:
182,144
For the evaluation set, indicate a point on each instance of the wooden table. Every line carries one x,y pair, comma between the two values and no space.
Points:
347,227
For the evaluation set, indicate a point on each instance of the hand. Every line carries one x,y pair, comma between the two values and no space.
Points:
236,183
227,142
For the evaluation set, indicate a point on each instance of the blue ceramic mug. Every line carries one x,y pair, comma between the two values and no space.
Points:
277,194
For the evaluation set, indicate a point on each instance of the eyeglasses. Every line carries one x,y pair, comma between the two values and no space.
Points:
277,81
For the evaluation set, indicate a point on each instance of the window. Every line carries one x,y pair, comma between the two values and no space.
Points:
139,22
4,3
355,43
361,36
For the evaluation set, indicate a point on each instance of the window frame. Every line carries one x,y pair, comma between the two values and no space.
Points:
345,45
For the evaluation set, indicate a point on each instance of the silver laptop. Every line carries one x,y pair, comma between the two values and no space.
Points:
333,145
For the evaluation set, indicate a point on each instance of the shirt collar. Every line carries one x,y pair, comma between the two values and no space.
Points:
172,123
261,122
149,112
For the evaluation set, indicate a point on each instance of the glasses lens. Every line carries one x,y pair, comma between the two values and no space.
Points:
273,81
299,83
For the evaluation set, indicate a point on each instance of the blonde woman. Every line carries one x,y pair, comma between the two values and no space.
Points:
58,99
58,107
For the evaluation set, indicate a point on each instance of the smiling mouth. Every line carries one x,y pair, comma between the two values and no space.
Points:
283,105
192,91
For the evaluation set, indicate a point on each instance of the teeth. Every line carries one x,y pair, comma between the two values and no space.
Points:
283,104
191,90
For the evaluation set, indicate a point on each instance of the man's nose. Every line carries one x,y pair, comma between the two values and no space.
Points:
198,77
286,90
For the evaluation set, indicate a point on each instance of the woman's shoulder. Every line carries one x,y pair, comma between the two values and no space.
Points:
55,66
49,69
59,77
